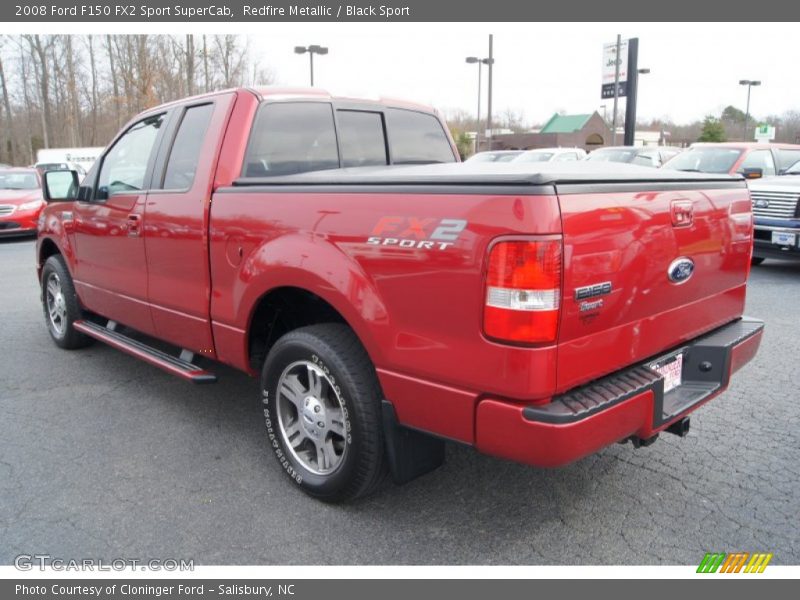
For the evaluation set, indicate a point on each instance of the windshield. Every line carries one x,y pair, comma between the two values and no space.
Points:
492,157
18,181
705,160
622,155
530,157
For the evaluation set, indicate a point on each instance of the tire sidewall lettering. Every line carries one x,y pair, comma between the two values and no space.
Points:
274,435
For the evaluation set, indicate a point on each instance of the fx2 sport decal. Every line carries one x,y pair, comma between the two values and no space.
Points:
419,233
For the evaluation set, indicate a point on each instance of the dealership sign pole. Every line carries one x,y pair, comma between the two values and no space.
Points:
632,87
615,66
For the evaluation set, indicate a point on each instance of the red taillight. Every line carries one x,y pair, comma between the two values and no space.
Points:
523,291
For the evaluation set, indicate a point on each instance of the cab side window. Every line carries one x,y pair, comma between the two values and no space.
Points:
291,137
759,159
185,151
125,165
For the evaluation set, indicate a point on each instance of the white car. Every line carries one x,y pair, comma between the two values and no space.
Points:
550,155
43,167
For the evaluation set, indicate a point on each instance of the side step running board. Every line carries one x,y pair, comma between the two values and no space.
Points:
171,364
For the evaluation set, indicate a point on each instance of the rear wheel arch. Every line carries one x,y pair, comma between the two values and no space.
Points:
287,308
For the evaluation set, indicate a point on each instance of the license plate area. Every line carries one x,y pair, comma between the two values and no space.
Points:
782,238
671,369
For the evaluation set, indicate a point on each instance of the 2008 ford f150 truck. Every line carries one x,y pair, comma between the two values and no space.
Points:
538,313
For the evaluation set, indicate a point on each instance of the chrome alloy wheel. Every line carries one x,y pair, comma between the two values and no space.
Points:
311,417
56,304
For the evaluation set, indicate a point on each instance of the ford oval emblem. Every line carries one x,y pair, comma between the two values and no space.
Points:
680,270
761,203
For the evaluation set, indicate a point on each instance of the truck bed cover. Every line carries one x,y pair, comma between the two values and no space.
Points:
503,174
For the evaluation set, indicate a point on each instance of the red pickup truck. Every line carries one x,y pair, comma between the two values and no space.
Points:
536,312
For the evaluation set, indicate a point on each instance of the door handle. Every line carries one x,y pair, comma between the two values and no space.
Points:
133,225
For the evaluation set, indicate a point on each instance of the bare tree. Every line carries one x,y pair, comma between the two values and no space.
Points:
230,57
27,102
10,145
65,90
93,100
206,80
39,52
114,81
190,65
72,94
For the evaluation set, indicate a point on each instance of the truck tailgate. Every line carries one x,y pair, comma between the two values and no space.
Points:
620,305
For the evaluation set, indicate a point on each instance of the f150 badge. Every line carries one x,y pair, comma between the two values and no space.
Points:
419,233
593,291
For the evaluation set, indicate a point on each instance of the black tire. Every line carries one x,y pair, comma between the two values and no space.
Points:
350,381
62,329
756,260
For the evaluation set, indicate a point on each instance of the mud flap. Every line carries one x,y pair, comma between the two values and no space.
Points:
409,453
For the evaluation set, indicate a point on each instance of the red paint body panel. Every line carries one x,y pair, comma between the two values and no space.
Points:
502,431
431,407
110,268
628,239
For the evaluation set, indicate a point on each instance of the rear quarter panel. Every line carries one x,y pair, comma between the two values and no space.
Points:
418,311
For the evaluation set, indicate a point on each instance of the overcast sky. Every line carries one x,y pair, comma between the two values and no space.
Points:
540,67
546,67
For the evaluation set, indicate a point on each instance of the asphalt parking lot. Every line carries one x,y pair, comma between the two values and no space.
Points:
104,456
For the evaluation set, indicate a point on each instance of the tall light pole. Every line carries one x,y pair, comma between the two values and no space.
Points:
312,50
632,91
617,62
749,83
489,99
480,62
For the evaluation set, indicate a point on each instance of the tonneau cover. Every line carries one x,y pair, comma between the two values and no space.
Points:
552,173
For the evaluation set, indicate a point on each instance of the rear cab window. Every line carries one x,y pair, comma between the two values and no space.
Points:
288,138
416,138
361,138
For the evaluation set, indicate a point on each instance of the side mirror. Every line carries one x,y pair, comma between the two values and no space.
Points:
753,173
60,186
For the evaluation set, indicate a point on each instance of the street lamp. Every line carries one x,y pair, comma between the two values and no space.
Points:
749,83
312,50
479,61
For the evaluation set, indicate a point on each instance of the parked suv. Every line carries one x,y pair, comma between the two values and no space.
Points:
776,208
